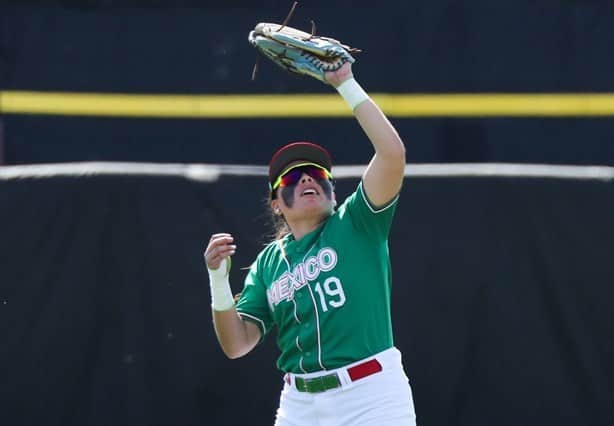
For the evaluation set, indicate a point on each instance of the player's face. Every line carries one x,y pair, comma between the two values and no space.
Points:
304,191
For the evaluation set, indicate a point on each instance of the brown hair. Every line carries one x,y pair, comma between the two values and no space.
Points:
278,226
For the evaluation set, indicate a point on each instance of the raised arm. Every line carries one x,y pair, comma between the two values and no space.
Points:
383,177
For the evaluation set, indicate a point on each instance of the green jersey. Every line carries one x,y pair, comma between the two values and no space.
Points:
329,292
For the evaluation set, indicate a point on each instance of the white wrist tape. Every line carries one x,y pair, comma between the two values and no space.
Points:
221,294
353,94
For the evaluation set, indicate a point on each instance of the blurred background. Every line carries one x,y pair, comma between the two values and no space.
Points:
132,130
196,48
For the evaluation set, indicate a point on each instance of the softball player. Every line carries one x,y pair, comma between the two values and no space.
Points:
325,284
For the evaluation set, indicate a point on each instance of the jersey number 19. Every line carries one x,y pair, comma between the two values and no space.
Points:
334,290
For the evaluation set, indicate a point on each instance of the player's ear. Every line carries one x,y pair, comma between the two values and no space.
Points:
275,207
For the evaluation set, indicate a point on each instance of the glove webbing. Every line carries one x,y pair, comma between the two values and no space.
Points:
313,33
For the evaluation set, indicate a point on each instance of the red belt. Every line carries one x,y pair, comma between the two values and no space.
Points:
365,369
332,381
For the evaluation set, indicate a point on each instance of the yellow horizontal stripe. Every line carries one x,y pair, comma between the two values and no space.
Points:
323,105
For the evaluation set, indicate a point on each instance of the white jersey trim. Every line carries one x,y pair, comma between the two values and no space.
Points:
315,308
295,315
368,203
243,314
314,304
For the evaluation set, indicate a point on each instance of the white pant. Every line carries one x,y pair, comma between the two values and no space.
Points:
381,399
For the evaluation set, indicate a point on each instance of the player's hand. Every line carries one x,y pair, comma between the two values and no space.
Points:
335,78
220,247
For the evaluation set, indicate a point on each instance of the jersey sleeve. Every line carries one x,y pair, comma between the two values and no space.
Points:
253,304
365,217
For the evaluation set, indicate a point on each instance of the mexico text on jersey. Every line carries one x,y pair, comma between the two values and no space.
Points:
328,293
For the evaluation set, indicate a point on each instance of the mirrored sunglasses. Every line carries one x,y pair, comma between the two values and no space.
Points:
292,176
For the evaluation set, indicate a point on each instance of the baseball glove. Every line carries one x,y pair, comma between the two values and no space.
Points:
299,52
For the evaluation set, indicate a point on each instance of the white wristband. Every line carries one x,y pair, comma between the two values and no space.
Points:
221,294
353,94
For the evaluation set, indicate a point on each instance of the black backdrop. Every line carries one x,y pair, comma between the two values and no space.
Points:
502,300
503,286
195,47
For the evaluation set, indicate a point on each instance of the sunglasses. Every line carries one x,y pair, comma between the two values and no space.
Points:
292,176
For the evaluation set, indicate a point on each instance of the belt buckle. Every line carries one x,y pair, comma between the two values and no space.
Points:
317,384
